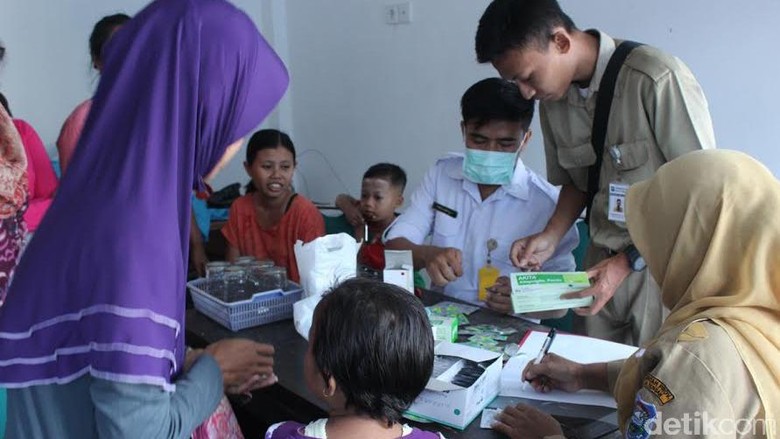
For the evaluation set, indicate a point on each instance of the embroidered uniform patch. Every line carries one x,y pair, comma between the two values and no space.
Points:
658,388
642,421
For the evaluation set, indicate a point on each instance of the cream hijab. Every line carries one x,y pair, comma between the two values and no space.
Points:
708,225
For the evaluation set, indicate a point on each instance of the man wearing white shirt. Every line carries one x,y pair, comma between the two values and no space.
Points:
466,200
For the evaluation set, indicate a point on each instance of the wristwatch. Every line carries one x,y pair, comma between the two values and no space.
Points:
635,260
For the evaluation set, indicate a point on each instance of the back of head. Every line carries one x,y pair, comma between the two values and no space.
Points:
375,340
494,99
512,24
393,174
101,33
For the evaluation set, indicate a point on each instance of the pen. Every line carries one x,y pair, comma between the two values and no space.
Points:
545,349
545,346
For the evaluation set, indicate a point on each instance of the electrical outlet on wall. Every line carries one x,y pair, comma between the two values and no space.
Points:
398,13
404,12
391,14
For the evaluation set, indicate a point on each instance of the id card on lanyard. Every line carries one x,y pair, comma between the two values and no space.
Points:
617,201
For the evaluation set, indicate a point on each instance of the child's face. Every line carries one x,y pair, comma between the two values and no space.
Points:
379,200
272,171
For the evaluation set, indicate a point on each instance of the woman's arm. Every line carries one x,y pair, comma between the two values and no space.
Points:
140,410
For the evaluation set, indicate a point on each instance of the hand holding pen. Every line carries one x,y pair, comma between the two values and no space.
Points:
553,372
542,353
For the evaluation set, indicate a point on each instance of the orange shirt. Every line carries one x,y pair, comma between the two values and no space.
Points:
301,221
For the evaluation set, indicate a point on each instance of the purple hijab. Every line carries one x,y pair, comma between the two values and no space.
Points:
101,287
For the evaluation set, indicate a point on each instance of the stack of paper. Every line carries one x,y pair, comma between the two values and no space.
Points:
573,347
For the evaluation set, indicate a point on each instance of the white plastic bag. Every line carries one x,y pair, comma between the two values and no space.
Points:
322,264
325,262
303,313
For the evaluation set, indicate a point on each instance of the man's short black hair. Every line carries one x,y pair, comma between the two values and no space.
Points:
518,24
394,174
495,99
375,340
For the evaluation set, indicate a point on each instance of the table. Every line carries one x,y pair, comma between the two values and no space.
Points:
290,399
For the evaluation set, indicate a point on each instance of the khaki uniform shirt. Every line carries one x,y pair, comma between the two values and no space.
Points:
693,384
658,112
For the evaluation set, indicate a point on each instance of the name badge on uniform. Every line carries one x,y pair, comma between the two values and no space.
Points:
445,210
617,202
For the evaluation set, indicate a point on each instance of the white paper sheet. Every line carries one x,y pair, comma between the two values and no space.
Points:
574,347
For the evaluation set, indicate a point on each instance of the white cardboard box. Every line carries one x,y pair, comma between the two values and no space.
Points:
455,406
399,269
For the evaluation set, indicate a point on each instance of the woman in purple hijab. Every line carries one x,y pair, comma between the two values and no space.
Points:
91,334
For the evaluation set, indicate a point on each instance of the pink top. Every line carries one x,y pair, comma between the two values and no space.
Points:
41,180
70,133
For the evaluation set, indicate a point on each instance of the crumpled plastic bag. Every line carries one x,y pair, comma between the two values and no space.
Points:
322,264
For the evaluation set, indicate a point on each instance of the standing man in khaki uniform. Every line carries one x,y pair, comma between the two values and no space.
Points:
713,370
658,112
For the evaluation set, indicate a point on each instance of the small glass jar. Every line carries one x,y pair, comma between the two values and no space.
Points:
256,269
241,260
235,273
235,285
216,269
265,263
277,277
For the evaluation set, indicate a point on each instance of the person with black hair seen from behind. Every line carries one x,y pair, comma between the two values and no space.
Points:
370,355
474,205
270,218
74,124
658,112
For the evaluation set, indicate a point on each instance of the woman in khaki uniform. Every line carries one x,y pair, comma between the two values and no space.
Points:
706,224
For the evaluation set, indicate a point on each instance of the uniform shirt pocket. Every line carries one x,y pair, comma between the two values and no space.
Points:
576,160
446,230
580,156
635,162
629,156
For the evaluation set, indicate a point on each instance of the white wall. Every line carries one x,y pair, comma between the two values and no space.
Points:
48,70
364,91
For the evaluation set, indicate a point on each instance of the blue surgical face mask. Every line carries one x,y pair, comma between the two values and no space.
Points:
489,167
